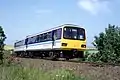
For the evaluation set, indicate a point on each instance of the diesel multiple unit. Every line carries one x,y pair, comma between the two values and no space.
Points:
65,41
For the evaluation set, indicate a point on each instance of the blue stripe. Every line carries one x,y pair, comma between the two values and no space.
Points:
43,43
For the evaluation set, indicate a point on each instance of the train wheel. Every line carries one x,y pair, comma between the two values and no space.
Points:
42,56
30,54
53,56
67,59
21,54
81,55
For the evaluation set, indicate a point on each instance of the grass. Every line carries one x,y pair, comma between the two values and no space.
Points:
8,47
18,72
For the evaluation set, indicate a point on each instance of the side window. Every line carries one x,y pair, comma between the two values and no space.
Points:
59,32
28,41
41,38
54,35
49,36
15,45
32,40
19,43
37,38
45,36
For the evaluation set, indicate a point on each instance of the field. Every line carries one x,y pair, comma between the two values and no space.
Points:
8,47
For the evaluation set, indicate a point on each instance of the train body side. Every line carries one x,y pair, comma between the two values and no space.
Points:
55,41
20,46
44,46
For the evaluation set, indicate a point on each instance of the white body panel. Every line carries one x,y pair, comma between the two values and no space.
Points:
21,48
40,46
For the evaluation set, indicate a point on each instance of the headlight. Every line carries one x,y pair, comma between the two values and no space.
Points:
64,44
83,46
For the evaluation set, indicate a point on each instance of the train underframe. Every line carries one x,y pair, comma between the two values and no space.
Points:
52,54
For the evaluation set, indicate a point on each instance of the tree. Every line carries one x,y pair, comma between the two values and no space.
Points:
2,39
108,45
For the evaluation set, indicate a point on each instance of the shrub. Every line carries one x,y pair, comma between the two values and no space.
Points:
108,45
2,39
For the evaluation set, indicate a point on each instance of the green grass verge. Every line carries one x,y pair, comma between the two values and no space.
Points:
24,73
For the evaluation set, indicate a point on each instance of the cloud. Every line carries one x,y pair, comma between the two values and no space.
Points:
94,6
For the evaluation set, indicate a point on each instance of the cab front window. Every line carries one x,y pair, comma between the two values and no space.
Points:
74,33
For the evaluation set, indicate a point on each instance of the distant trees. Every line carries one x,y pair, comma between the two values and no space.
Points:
2,39
108,45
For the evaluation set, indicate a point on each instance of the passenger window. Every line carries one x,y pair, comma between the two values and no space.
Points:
54,35
37,38
41,38
45,36
49,36
59,32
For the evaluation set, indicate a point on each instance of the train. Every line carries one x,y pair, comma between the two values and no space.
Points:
65,41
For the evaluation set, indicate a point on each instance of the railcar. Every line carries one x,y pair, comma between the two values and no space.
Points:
65,41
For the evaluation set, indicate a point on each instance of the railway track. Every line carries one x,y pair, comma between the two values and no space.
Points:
95,64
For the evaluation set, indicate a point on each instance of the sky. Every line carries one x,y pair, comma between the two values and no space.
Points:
20,18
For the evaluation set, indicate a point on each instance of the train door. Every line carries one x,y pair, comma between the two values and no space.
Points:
54,37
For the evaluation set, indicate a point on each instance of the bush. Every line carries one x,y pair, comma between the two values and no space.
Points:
92,57
108,45
2,39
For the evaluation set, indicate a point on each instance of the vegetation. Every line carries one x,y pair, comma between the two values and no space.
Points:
18,72
8,47
108,45
2,39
